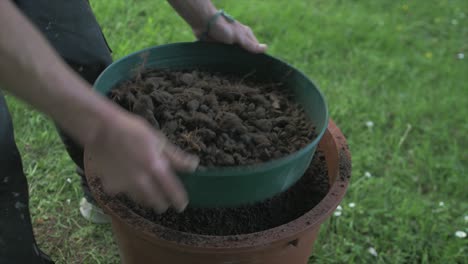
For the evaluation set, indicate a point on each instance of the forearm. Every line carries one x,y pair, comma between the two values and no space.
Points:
31,70
195,12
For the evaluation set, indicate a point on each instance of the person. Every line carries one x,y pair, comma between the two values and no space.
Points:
51,53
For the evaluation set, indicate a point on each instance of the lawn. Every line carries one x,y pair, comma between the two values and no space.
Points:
395,75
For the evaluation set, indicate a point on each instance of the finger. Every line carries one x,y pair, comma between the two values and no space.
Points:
260,48
170,184
250,34
148,193
110,187
161,143
180,160
251,45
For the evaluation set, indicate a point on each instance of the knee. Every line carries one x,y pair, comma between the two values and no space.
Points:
89,72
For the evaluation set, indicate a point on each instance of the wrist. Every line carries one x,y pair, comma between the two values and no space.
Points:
96,122
79,110
195,13
199,27
220,19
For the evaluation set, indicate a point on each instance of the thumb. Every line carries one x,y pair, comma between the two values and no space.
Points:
262,47
180,160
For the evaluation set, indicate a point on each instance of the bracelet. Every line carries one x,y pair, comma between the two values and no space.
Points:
213,19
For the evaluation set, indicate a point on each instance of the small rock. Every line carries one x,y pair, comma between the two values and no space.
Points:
183,115
162,97
211,101
175,90
167,115
171,127
206,134
204,108
290,129
260,112
228,160
260,99
193,105
153,82
231,121
195,92
143,104
281,121
260,139
187,78
238,157
264,125
204,85
204,119
246,138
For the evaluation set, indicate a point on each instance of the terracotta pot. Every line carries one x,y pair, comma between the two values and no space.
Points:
140,241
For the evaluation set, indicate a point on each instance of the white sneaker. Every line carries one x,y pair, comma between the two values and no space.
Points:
93,213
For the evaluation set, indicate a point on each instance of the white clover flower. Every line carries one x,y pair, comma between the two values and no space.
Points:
441,203
466,218
370,124
69,180
352,205
460,234
372,251
460,56
337,213
367,174
339,208
68,201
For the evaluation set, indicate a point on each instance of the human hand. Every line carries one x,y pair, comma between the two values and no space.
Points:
131,157
229,31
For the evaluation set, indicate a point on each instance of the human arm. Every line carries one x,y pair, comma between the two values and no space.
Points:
197,13
133,157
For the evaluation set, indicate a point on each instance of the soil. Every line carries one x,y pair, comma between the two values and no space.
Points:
273,212
225,120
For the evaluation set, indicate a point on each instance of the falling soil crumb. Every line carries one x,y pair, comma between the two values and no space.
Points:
273,212
225,120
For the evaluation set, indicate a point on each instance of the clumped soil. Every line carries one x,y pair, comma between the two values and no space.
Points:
273,212
225,120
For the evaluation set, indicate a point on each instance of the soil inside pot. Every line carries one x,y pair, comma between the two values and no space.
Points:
225,120
276,211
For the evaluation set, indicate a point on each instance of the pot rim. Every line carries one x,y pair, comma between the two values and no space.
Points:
333,138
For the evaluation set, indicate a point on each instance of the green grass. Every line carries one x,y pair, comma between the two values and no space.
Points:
390,62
